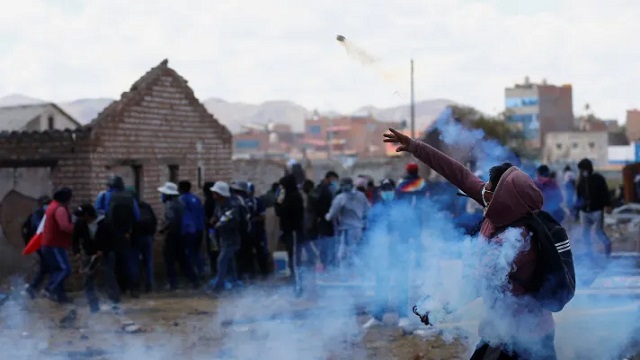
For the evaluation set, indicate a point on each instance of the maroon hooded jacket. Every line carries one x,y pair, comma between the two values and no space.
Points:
515,196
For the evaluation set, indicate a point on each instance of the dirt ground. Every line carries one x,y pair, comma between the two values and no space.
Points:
192,325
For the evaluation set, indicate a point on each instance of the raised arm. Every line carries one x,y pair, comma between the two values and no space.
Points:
450,169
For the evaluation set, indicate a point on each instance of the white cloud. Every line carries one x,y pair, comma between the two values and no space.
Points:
284,49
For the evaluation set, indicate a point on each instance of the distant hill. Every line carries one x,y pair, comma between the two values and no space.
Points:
235,114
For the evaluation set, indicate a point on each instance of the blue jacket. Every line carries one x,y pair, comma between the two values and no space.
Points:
193,217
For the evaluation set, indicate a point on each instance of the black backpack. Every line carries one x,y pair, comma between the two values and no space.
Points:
121,213
554,278
147,223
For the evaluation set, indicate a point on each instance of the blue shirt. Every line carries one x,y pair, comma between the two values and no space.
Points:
193,217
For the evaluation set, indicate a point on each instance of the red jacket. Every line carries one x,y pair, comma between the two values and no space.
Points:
58,227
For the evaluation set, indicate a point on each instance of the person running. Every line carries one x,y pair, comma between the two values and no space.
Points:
29,229
92,243
56,240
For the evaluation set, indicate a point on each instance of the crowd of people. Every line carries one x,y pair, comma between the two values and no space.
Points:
322,227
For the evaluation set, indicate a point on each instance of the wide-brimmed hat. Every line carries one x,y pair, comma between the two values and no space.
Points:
169,188
221,188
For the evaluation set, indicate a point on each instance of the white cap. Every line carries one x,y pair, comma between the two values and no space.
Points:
221,188
169,189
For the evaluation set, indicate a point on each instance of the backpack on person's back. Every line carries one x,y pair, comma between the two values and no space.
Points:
121,212
147,222
554,279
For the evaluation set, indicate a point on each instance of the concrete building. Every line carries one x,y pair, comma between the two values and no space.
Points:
157,131
571,147
539,109
633,125
35,117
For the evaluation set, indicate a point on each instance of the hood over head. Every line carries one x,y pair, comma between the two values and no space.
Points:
289,183
515,196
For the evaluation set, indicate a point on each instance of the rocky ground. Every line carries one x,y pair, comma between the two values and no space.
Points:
195,326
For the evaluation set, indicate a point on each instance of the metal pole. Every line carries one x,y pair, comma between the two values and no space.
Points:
413,106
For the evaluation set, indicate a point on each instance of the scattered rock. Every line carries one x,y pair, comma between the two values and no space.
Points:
84,337
133,329
175,323
69,319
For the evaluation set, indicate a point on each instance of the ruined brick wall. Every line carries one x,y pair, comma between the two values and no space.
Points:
31,165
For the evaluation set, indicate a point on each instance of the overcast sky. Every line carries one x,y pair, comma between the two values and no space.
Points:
253,51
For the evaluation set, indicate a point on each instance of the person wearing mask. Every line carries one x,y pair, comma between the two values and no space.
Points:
212,245
226,223
349,210
551,193
508,196
29,229
319,200
174,250
56,239
258,231
290,210
92,238
143,235
192,228
593,201
387,248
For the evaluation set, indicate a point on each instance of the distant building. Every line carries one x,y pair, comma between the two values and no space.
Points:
266,141
36,117
359,136
539,109
571,147
633,125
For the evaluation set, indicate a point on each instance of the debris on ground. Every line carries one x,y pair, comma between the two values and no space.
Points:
69,319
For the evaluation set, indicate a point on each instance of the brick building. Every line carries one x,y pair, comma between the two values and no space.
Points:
157,131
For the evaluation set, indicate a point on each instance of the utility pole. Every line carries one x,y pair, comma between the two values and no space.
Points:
413,106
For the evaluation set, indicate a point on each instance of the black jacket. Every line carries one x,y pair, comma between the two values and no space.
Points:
103,240
291,210
593,193
321,203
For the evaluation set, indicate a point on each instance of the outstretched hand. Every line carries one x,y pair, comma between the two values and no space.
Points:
396,137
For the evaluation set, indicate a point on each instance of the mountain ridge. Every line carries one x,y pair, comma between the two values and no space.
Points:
235,114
